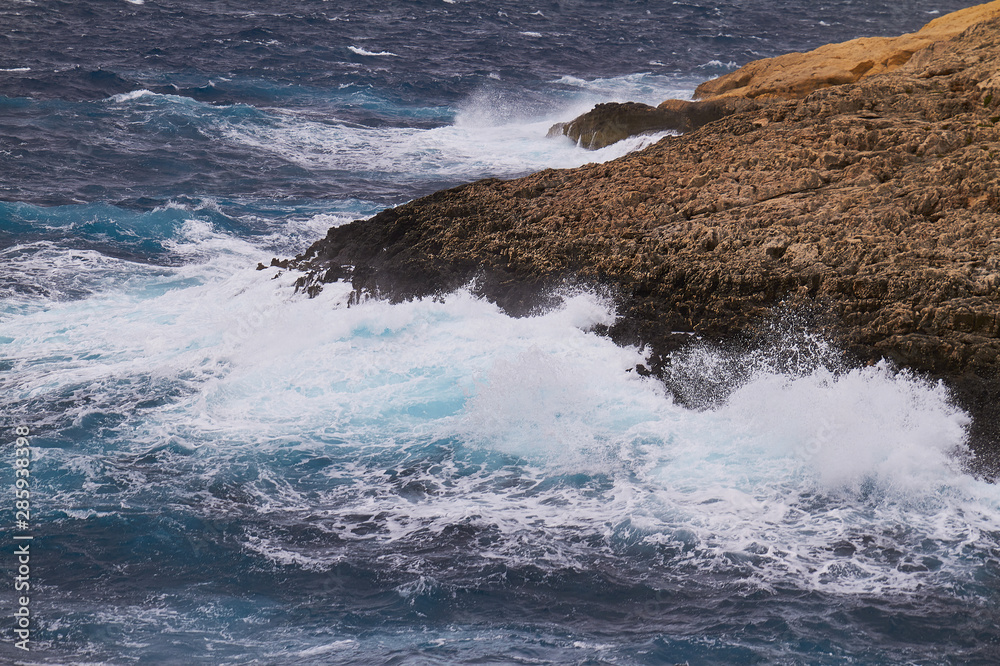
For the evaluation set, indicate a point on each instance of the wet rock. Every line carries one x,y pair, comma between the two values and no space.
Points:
609,123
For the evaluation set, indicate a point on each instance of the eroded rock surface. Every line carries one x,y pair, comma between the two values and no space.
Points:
875,205
609,123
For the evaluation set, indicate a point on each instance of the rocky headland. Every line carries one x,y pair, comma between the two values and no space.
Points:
866,199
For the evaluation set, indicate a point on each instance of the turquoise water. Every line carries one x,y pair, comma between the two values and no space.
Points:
226,472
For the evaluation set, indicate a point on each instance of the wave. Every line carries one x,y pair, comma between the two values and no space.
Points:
719,64
362,52
485,140
424,452
494,133
644,87
68,253
531,429
121,98
173,100
159,142
298,153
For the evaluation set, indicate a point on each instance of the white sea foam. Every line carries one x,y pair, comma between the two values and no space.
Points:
493,133
643,87
792,466
423,585
718,63
363,52
121,98
148,97
154,101
792,463
488,138
336,646
16,69
35,275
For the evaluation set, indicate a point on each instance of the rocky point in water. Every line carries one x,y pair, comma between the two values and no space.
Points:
872,205
611,122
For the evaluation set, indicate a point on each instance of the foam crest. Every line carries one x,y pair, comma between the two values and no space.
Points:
462,151
144,100
538,404
357,50
405,365
494,133
122,98
642,87
424,416
850,428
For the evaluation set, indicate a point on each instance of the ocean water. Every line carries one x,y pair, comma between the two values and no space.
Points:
226,472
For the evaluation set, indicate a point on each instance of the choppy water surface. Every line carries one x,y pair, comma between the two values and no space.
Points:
226,472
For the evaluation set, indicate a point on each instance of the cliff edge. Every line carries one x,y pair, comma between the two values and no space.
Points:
873,205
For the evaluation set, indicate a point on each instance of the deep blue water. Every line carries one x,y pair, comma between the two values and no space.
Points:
225,472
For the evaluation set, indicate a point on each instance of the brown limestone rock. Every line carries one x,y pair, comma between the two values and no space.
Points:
795,75
609,123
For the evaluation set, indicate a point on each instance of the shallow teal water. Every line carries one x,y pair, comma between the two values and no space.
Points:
226,472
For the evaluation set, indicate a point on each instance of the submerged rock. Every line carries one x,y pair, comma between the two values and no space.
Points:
875,206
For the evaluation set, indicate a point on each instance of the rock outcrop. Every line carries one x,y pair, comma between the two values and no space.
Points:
609,123
873,205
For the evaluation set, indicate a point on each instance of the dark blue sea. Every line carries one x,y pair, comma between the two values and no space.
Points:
223,471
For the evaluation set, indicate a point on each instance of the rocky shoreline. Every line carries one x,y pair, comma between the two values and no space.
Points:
870,207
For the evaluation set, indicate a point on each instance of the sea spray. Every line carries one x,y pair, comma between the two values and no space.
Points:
447,438
228,472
